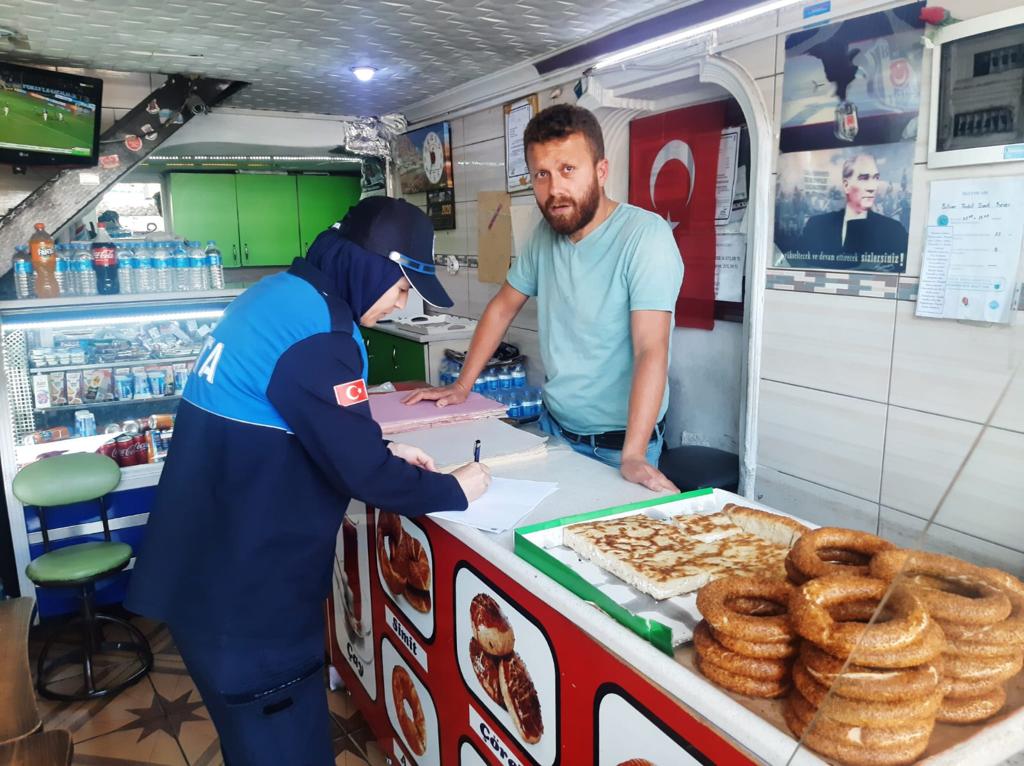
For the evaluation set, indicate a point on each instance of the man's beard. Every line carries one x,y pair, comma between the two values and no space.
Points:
582,213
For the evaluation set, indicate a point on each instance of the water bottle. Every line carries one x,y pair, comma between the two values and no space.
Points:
518,376
60,273
199,274
86,273
143,268
22,272
179,268
445,372
104,262
480,386
491,379
215,265
161,260
125,268
504,378
515,405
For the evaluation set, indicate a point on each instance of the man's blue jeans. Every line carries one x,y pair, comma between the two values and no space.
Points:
610,457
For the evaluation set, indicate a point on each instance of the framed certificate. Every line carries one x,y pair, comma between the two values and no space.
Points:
517,115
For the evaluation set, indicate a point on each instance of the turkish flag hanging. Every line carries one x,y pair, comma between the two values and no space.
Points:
673,171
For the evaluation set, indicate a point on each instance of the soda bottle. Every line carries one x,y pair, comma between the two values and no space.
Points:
215,264
104,262
22,272
125,270
44,263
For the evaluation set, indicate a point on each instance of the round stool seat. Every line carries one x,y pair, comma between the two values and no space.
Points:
692,467
66,479
75,563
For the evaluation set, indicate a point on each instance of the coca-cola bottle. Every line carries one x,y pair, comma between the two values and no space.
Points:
104,262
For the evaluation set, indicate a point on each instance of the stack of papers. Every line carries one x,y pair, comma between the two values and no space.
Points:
452,445
503,506
395,417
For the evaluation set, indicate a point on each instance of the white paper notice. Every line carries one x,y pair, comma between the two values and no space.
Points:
730,258
728,154
972,249
503,506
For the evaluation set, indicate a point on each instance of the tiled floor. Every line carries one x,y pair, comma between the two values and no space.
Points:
161,719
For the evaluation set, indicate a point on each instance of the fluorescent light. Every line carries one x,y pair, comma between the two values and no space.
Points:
691,32
53,324
364,73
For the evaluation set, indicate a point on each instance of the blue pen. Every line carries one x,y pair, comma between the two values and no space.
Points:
476,452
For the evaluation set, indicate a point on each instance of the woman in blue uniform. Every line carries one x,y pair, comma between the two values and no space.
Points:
272,440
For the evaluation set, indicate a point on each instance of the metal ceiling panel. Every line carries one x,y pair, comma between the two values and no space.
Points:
297,55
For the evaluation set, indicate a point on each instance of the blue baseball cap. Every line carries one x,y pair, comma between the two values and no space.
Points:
402,233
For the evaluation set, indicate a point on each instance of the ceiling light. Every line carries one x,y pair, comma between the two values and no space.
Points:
701,29
364,73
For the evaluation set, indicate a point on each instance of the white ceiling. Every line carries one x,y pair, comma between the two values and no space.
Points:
297,55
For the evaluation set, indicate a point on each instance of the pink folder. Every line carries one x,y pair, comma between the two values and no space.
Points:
395,417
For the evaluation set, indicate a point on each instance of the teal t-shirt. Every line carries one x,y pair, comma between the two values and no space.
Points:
585,293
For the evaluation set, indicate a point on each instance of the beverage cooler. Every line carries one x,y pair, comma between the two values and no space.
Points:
99,374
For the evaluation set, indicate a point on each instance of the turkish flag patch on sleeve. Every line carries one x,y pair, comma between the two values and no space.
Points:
351,393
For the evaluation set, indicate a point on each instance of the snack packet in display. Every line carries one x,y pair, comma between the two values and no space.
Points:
140,383
41,391
92,381
58,389
106,385
181,372
75,388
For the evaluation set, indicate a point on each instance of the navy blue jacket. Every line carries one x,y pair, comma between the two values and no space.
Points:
266,456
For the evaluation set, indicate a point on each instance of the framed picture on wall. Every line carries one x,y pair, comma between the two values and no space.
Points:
977,98
424,159
517,115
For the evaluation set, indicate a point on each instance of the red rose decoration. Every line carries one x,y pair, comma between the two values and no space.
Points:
934,15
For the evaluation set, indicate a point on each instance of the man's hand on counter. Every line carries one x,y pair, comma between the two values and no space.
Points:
639,471
456,393
412,455
474,478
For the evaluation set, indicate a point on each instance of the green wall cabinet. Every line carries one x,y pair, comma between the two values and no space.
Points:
203,207
393,358
322,201
257,219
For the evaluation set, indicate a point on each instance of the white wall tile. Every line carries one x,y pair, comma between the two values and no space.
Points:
479,167
922,455
465,218
813,502
825,438
758,58
484,125
450,241
480,294
956,369
838,343
458,131
457,287
905,531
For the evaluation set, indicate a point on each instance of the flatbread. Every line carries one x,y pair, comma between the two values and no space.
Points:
678,556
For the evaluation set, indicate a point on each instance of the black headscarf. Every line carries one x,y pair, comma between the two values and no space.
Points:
359,276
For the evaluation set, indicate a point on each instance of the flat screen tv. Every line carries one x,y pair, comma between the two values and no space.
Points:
47,117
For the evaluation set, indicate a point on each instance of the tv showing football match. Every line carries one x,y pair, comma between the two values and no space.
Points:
48,117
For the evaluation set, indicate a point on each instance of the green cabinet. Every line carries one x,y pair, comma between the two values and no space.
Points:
258,219
268,219
393,358
203,207
322,201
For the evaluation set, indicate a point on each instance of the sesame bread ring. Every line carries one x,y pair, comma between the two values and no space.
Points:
859,682
521,699
389,539
855,712
952,589
957,688
751,687
993,671
809,612
835,551
485,667
726,604
775,651
928,649
414,727
712,651
636,762
1008,632
972,709
856,745
836,556
490,626
416,562
418,599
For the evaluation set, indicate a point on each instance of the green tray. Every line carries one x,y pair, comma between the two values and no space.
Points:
657,633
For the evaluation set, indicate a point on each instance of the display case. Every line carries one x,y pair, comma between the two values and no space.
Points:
95,374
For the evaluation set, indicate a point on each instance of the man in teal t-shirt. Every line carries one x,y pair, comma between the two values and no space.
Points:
606,276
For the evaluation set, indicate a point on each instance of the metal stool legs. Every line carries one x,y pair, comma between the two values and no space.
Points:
92,643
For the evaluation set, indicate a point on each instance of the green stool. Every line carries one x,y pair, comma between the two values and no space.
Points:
60,481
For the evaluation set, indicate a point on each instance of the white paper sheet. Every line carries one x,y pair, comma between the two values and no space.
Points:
972,249
728,154
505,504
730,263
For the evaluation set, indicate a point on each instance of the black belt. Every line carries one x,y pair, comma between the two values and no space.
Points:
609,439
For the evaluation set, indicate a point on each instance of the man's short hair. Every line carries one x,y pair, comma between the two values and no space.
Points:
848,165
561,121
